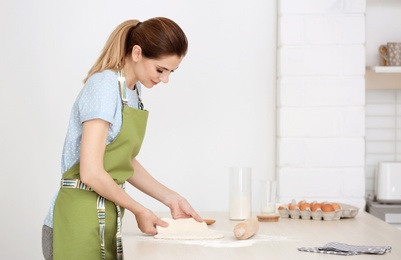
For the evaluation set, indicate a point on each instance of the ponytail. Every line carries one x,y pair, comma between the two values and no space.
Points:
114,52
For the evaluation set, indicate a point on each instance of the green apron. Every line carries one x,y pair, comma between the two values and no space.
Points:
82,218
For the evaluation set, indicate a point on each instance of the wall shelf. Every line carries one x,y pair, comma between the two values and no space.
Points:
385,69
383,78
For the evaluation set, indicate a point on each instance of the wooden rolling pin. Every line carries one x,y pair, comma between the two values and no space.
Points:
246,229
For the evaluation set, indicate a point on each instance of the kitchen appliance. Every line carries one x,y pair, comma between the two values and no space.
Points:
388,182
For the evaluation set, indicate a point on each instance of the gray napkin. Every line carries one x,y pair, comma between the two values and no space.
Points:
335,248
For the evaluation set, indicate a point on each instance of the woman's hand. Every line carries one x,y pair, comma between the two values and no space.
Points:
180,208
147,222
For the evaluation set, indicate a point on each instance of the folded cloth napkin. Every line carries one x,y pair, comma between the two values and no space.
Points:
345,249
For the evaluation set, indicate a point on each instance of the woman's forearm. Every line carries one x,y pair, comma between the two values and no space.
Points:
145,182
179,206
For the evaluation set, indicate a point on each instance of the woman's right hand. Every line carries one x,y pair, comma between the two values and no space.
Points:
147,222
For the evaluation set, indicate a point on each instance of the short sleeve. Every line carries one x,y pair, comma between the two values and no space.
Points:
99,97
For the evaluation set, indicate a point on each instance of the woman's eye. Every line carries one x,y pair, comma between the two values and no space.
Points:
159,71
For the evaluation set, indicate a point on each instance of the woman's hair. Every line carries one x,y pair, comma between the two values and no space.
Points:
157,37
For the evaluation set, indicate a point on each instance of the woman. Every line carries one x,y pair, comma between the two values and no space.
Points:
106,129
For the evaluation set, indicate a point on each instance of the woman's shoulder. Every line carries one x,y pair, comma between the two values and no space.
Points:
105,80
100,93
105,76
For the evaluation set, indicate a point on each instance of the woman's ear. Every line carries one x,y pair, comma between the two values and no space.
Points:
136,53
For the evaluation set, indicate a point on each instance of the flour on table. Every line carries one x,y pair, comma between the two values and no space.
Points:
186,228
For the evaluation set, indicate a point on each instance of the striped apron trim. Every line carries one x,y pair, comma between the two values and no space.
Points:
101,215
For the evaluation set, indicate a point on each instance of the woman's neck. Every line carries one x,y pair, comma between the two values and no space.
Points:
130,77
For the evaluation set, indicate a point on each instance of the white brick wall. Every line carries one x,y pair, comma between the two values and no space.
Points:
321,98
383,131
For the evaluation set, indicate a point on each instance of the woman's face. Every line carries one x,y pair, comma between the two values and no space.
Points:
152,71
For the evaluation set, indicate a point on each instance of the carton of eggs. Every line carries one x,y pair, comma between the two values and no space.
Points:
317,210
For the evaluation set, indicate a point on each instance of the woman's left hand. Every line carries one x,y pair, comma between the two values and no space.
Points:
180,208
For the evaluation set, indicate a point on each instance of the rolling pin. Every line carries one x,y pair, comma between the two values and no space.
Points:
246,229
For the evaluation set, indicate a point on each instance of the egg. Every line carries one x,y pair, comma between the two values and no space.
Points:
292,205
316,206
336,206
327,207
305,206
282,207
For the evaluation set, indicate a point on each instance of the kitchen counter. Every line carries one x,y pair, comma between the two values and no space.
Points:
274,240
390,213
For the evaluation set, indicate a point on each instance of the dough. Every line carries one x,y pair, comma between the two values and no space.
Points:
186,228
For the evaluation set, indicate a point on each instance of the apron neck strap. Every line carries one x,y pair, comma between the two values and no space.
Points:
123,90
123,86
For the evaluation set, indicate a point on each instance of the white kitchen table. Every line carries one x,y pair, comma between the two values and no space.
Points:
274,240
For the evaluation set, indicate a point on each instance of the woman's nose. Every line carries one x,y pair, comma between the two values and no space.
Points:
165,77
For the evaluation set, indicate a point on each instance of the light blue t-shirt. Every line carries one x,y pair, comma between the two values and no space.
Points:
99,99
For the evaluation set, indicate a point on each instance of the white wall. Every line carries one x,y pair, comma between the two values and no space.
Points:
383,134
216,112
320,108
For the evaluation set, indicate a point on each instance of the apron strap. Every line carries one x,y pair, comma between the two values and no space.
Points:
119,235
123,90
101,215
123,86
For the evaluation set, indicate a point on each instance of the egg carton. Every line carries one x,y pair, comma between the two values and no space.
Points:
346,211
